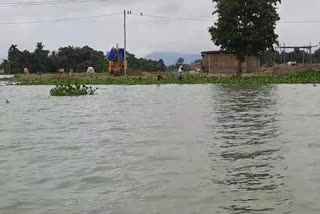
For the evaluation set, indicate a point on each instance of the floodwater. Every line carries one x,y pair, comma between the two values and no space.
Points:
161,149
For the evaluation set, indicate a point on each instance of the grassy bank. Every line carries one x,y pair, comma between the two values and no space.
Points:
307,77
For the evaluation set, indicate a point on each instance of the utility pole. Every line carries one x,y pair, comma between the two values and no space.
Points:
310,52
284,53
274,56
210,64
125,42
9,66
280,54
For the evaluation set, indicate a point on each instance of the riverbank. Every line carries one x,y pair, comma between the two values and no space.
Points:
6,77
306,77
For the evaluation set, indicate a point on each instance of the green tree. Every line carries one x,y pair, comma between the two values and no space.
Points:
4,65
78,58
297,56
179,62
162,66
245,27
316,56
26,59
172,67
40,58
269,58
14,60
141,64
186,67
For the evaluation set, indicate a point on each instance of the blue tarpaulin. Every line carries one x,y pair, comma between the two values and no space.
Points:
113,54
121,54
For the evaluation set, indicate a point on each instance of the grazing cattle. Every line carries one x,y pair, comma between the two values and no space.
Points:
61,71
90,70
71,72
292,63
26,71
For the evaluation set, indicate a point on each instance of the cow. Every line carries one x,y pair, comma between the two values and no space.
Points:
61,71
90,70
26,71
71,72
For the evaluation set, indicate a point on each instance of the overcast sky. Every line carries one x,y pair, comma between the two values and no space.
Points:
145,35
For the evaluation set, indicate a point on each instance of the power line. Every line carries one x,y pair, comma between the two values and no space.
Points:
170,17
140,15
59,20
27,2
210,20
43,3
299,22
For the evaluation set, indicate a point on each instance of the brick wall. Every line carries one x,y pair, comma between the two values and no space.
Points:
226,63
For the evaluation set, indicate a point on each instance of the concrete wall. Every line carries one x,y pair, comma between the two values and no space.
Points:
226,63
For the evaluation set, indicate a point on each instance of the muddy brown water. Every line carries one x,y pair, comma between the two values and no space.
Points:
161,149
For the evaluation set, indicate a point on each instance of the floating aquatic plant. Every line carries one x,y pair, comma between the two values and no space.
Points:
72,90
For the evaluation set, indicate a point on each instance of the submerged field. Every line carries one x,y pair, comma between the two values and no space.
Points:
306,77
169,149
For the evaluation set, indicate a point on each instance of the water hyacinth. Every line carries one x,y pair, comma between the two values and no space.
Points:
306,77
72,90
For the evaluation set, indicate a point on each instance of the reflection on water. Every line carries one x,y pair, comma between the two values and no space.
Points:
245,152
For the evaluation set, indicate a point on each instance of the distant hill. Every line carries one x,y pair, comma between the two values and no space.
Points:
171,58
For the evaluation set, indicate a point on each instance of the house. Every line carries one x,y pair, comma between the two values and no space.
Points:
221,62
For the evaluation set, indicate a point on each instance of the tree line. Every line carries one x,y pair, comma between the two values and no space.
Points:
77,58
271,57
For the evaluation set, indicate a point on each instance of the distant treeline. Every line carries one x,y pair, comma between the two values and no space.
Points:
274,57
79,59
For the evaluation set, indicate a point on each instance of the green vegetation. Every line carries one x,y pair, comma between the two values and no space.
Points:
307,77
44,61
72,90
180,62
272,57
79,59
145,64
245,27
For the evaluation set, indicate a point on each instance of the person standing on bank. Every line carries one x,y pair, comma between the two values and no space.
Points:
180,76
159,77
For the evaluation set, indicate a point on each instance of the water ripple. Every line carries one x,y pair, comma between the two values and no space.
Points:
167,149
